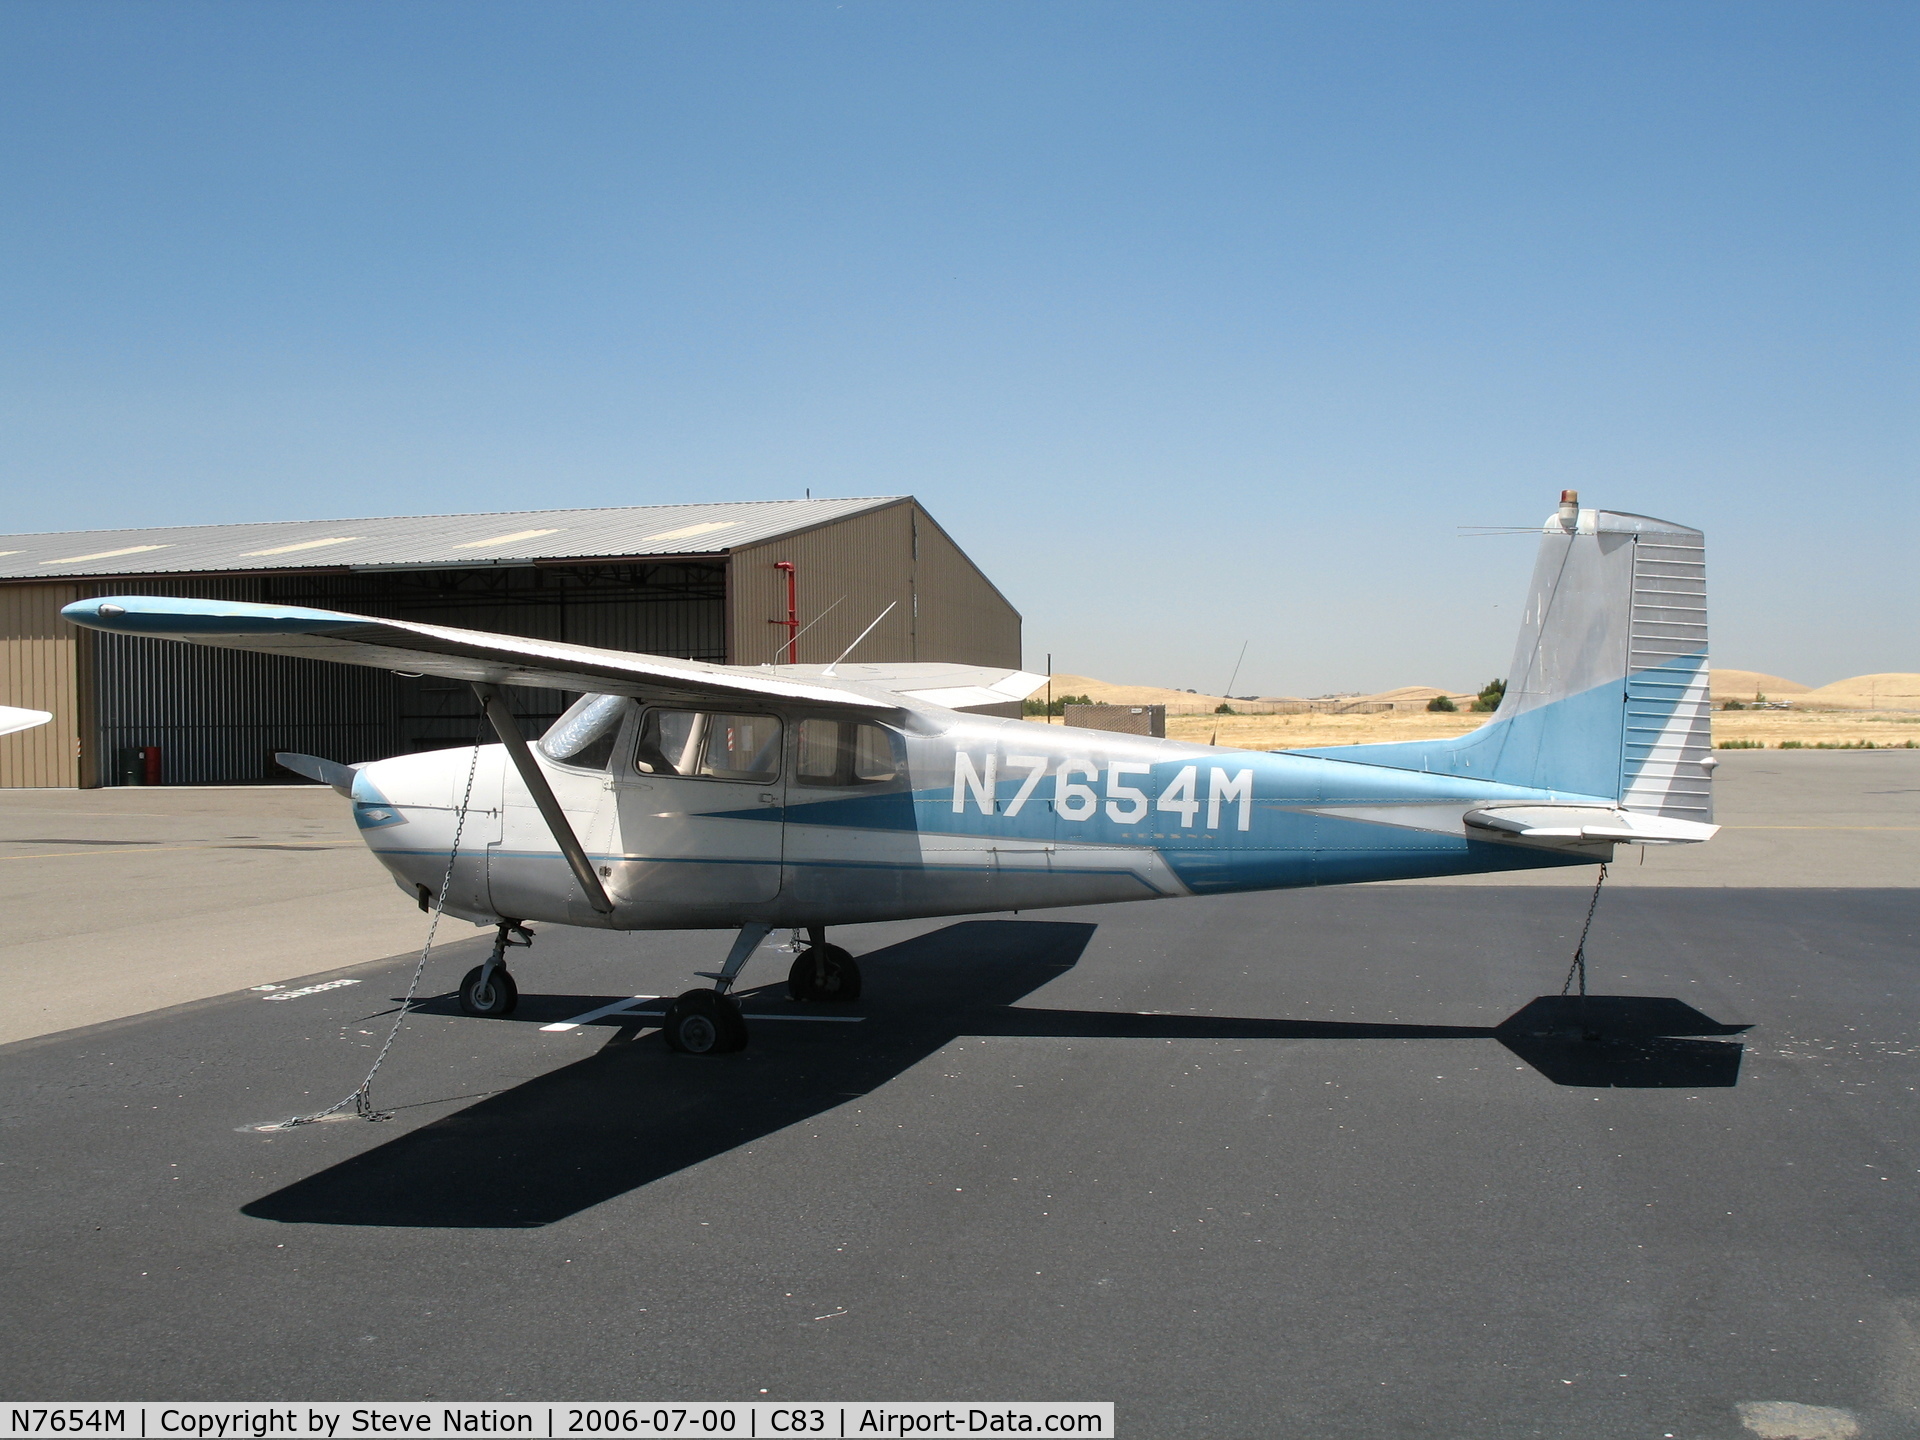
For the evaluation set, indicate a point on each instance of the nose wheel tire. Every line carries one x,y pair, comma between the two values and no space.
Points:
492,1000
703,1023
824,974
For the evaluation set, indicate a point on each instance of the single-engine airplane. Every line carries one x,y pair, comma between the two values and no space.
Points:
681,795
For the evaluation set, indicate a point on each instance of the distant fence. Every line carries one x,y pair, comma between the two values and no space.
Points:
1320,707
1125,719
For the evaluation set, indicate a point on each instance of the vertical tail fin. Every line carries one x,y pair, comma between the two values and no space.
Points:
1608,693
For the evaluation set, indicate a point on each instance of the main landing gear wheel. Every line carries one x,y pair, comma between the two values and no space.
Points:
703,1023
492,1000
824,974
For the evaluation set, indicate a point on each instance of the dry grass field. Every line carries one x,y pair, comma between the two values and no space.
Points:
1763,727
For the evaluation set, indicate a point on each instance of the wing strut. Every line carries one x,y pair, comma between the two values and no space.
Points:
508,730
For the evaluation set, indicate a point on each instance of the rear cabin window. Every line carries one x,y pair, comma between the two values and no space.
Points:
703,743
845,753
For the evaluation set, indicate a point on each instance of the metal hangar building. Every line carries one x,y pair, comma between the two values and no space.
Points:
704,582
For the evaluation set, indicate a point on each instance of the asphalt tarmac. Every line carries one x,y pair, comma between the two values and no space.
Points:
1355,1172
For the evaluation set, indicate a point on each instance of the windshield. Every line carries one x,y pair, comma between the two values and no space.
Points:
584,736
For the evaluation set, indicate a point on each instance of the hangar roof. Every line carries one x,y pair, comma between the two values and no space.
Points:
513,537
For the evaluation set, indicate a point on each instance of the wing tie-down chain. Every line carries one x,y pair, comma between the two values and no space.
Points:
362,1098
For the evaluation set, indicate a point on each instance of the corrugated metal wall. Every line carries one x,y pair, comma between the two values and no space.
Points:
39,670
947,609
963,618
218,715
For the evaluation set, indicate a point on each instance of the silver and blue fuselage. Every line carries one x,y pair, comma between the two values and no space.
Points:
981,814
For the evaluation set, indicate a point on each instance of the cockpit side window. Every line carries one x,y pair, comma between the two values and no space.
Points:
670,742
584,737
718,746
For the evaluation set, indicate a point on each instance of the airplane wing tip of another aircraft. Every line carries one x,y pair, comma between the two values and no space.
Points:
15,718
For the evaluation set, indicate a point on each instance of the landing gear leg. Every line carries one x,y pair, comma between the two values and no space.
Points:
488,991
707,1022
823,973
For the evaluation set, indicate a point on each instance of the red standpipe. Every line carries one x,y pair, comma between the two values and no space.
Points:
792,622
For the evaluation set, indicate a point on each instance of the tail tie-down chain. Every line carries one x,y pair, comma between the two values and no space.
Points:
1579,966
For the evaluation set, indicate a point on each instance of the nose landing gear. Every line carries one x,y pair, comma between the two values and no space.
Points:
487,991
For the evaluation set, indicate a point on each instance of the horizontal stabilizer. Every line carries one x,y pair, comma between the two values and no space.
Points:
1576,824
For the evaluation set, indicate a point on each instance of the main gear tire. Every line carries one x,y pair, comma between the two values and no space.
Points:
824,975
703,1023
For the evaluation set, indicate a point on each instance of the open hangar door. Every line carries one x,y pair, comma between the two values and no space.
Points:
217,716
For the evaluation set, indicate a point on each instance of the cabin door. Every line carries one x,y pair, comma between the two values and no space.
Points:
701,804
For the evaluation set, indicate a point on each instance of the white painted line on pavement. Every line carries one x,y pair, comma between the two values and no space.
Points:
770,1015
617,1007
308,990
823,1019
624,1008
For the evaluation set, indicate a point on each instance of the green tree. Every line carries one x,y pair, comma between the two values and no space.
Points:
1441,702
1224,709
1058,707
1491,694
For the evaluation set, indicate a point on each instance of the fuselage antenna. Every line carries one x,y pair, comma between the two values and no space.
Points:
858,638
1236,667
804,628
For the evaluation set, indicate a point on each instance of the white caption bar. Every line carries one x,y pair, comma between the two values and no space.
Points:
742,1420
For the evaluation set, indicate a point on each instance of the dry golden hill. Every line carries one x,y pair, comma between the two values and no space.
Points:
1890,691
1413,692
1745,684
1102,692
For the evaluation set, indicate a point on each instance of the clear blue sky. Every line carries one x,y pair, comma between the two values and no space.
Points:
1195,323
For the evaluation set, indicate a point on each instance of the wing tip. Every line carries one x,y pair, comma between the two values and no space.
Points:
182,615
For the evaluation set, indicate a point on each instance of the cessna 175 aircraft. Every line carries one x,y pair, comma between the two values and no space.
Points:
679,795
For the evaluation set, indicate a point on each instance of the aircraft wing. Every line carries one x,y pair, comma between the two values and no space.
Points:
415,649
